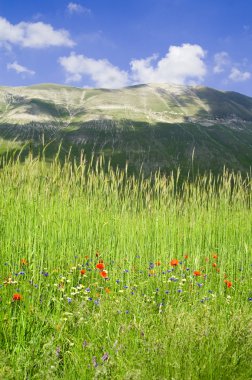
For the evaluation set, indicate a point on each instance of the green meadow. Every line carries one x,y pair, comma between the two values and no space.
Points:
109,276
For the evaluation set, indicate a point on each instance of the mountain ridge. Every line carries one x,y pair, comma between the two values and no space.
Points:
156,126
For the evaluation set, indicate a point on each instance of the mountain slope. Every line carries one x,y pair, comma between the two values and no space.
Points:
155,125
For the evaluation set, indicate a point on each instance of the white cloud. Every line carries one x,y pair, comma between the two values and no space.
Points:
77,8
221,60
19,68
180,65
238,76
101,71
33,35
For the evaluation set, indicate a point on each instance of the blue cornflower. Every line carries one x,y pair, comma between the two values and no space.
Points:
199,285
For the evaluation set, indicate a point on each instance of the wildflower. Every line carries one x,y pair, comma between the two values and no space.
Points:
95,364
158,263
215,256
82,272
84,344
69,300
23,262
104,274
107,290
185,256
58,351
197,273
100,266
174,262
152,273
228,283
105,357
250,299
17,297
214,265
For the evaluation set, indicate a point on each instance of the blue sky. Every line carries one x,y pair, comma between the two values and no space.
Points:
115,43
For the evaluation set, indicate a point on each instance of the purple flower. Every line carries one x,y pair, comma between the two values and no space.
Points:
105,357
95,364
58,352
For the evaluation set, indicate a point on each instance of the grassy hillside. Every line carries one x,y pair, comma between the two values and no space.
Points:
154,126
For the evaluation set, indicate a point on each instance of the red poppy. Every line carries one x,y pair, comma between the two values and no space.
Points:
17,297
197,273
174,262
100,266
83,271
228,283
214,265
186,257
23,262
107,290
104,274
215,256
158,263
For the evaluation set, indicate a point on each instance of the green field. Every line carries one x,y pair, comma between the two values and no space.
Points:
173,300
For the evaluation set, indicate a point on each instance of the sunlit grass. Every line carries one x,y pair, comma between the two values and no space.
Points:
177,300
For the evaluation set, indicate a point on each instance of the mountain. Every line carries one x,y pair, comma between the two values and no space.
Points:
153,125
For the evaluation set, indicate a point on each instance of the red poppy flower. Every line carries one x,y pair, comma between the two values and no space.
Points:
23,262
186,257
17,297
158,263
107,290
104,274
174,262
83,271
228,283
215,256
100,266
197,273
214,265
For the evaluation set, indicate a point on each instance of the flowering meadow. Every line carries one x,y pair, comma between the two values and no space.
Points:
109,276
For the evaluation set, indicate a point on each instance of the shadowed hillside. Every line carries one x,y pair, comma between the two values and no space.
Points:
153,126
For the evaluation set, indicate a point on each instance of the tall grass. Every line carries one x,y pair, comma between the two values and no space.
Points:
149,319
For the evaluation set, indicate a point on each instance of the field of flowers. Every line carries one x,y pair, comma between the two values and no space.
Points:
105,276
